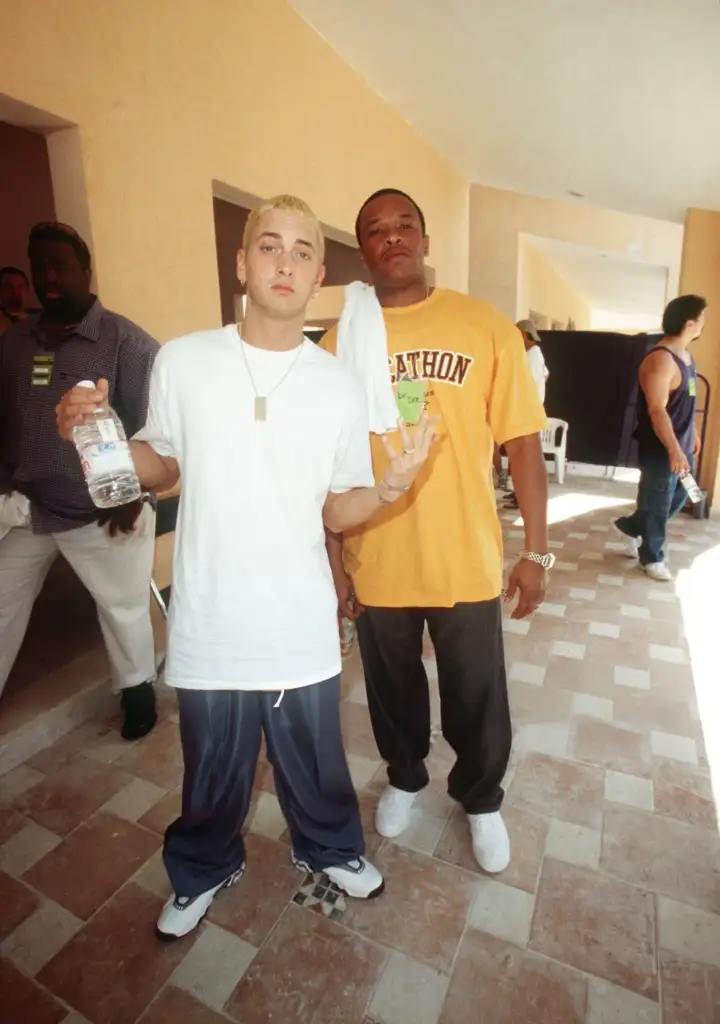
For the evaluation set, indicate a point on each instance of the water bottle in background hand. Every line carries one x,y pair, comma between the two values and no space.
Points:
693,491
348,632
106,460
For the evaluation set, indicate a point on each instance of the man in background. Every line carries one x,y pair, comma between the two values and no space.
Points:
539,371
74,338
534,355
14,296
436,558
668,443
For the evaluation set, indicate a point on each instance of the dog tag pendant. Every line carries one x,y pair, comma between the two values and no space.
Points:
260,409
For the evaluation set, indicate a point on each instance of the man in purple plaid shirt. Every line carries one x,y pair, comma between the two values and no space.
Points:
45,506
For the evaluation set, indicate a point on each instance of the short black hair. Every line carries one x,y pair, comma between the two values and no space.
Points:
680,311
54,231
13,271
388,192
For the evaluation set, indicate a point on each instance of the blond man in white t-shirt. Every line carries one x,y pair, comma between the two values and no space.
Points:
270,434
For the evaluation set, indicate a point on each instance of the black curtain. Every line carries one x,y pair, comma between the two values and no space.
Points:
593,385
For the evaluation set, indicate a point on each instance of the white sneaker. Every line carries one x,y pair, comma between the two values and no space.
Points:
358,878
491,843
392,816
181,914
658,571
632,544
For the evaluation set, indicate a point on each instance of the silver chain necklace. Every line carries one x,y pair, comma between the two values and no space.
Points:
260,404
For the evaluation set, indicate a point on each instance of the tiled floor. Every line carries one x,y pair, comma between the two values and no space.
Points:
609,912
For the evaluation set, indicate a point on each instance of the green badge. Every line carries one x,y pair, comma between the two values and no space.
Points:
42,370
411,399
692,387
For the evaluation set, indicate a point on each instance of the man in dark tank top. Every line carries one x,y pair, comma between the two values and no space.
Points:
668,443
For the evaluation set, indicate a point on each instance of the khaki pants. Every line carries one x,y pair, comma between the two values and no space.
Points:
116,571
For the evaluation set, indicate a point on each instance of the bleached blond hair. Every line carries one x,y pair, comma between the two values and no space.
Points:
291,204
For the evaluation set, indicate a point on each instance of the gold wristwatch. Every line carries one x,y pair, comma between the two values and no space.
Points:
547,561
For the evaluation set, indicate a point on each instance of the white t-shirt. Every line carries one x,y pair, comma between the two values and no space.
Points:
538,369
253,603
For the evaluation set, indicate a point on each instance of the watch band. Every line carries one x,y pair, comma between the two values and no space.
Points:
547,561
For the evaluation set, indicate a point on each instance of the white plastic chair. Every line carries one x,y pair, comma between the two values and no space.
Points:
550,445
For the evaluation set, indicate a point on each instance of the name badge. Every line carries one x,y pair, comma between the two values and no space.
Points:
42,370
410,399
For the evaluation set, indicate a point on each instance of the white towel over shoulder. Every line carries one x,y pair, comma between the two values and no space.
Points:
362,347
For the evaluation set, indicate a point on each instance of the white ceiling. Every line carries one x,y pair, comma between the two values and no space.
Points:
616,99
607,281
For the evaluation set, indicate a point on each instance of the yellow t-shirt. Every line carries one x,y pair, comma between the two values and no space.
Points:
441,543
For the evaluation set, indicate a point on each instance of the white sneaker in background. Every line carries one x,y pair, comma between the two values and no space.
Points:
392,816
632,544
658,571
491,843
181,914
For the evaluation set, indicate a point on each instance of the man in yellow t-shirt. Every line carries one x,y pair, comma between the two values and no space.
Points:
435,557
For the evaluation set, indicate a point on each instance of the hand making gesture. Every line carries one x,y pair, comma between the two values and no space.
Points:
405,465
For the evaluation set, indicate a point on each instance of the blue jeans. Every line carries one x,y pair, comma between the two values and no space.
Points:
661,496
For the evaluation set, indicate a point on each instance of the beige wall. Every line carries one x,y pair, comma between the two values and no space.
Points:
701,275
168,99
498,219
625,323
543,290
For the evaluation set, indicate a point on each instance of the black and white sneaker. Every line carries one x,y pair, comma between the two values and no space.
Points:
181,914
358,878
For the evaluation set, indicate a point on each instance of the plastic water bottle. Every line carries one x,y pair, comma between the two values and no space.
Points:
105,456
348,631
694,493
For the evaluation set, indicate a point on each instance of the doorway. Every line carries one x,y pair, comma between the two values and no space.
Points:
62,657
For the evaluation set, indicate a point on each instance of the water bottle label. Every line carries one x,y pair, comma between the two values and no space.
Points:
690,485
107,458
108,430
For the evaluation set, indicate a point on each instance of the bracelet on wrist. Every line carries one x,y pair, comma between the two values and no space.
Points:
388,494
